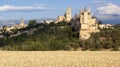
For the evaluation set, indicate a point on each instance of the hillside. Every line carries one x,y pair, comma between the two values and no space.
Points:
61,36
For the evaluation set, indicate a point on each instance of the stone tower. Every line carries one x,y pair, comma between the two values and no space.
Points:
88,24
68,14
22,24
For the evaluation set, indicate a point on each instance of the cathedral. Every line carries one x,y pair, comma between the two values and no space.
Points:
67,16
83,22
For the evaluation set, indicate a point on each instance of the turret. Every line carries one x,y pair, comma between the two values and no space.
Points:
89,11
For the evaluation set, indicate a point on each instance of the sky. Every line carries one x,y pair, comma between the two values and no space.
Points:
36,9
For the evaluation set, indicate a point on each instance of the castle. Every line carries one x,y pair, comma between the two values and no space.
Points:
84,22
88,24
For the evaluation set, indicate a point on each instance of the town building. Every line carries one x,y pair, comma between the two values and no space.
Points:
19,26
106,26
48,21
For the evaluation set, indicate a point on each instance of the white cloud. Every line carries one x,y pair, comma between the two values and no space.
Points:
109,9
22,8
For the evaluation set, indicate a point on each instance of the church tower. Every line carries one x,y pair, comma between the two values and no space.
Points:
22,24
68,14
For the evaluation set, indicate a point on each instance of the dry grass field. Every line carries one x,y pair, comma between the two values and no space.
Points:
59,59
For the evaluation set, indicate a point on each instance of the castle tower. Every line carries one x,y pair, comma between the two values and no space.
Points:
88,24
22,24
85,18
68,14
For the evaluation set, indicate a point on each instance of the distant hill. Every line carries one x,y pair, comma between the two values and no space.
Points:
60,36
17,21
111,19
9,22
114,22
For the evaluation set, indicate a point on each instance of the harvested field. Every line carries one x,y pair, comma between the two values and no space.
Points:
59,59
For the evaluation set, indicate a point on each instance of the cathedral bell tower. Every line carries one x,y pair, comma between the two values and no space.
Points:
68,14
22,24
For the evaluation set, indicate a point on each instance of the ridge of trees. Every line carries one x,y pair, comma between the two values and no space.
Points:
61,36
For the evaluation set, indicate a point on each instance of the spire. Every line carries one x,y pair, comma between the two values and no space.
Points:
69,8
89,10
85,8
22,22
68,14
75,15
94,15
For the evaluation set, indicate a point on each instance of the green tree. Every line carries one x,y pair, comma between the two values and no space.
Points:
99,22
32,23
52,24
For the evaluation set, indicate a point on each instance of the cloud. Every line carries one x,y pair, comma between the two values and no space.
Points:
109,9
108,17
97,2
22,8
1,18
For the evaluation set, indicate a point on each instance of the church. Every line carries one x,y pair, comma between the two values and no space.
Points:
67,16
84,22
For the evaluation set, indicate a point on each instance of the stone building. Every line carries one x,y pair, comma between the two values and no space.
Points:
22,24
60,18
18,26
88,24
67,16
106,26
85,23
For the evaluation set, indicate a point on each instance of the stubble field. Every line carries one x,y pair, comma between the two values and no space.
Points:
59,59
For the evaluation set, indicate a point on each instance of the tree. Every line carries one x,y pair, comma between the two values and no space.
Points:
14,31
32,23
99,22
52,24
